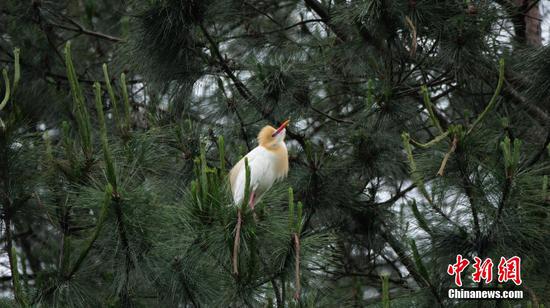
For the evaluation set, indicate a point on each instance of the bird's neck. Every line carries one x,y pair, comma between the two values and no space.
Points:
280,157
278,147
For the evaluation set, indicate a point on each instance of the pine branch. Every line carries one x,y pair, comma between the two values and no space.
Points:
82,30
178,267
102,216
237,243
398,195
454,143
8,210
532,109
232,106
278,297
468,187
298,285
321,11
502,204
410,265
282,29
9,247
403,257
263,13
330,117
241,88
494,98
520,13
540,153
128,263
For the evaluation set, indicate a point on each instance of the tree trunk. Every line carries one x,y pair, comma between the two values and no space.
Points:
527,22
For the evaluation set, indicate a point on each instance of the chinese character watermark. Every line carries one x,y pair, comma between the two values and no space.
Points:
508,270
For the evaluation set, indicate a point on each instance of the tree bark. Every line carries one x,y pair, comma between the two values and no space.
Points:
527,22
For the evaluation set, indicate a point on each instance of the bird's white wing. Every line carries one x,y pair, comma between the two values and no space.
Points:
261,174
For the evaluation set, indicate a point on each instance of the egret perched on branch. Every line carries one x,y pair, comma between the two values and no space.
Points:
268,162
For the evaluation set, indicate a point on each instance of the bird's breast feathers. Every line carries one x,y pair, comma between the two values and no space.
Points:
266,167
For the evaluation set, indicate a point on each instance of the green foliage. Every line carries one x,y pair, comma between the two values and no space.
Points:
494,98
101,220
17,286
125,101
111,177
418,262
6,95
9,89
511,155
112,97
385,292
420,218
80,111
429,106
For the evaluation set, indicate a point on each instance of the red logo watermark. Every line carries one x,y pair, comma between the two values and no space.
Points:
508,270
483,270
457,268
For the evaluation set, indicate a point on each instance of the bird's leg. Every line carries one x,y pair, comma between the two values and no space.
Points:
237,242
252,202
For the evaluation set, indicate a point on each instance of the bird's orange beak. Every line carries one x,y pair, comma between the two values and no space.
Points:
280,129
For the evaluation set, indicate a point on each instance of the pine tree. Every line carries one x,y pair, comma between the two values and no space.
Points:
419,130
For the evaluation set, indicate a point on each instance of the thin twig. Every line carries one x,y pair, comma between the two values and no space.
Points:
297,266
447,155
81,29
331,117
237,243
303,22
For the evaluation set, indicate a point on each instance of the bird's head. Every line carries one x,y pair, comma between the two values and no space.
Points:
271,138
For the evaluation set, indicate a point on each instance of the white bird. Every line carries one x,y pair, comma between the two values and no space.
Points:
268,162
